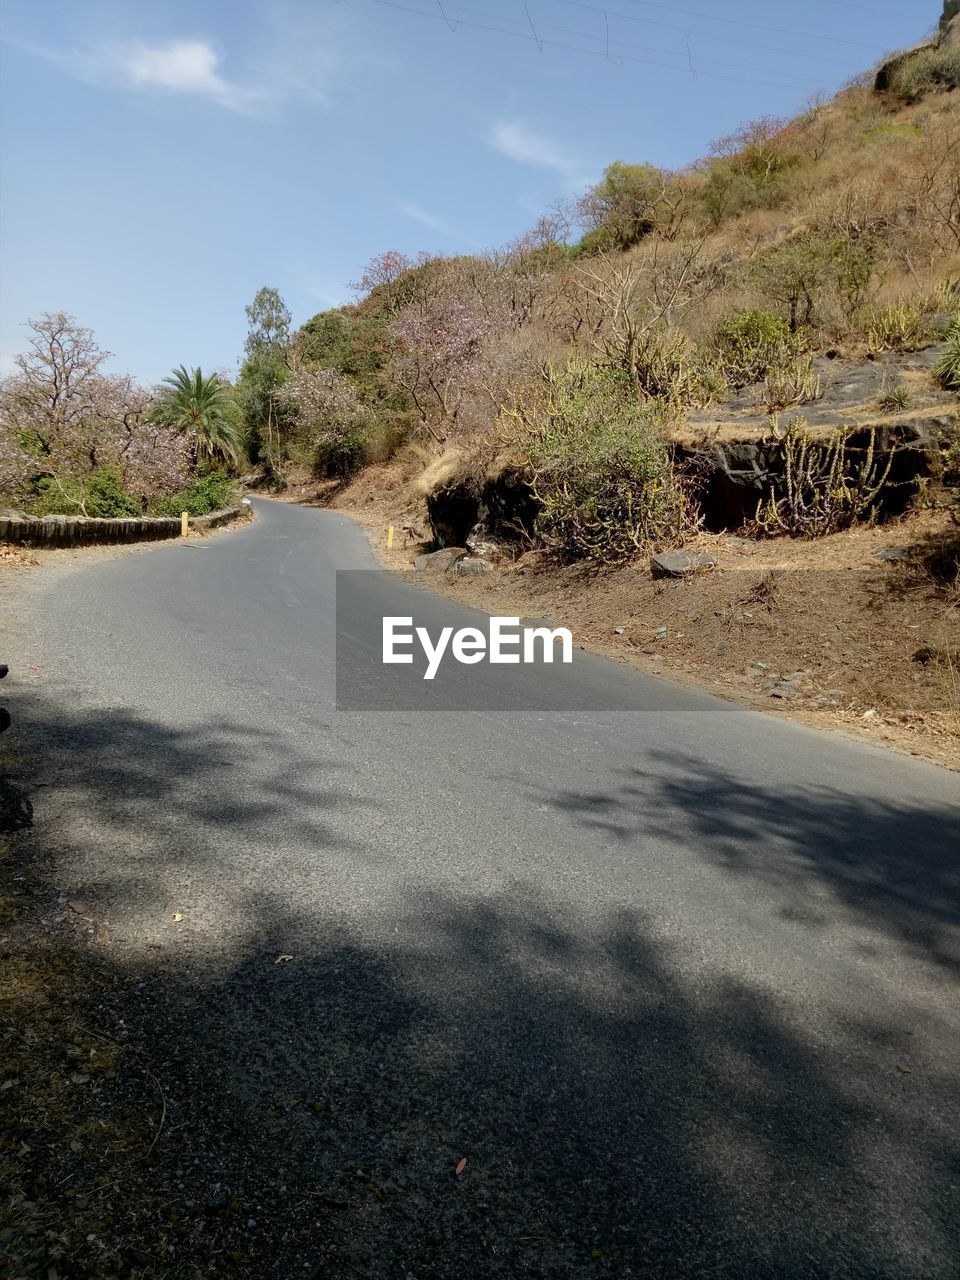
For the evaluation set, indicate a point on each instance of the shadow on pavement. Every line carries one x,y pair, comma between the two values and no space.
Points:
321,1081
891,865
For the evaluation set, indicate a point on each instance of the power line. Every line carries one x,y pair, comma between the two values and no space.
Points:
756,26
869,8
672,26
557,44
609,41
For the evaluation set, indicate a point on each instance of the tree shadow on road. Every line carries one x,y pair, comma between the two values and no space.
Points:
306,1087
891,865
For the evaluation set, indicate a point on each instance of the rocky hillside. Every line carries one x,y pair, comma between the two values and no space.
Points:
763,341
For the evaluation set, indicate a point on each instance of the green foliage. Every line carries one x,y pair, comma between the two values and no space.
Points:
602,475
927,71
106,496
901,326
895,399
202,408
210,492
947,368
268,324
351,340
55,498
100,494
749,343
725,193
621,209
265,419
828,485
802,270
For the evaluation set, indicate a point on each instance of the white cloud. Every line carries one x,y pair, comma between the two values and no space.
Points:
184,66
435,224
297,53
190,66
514,139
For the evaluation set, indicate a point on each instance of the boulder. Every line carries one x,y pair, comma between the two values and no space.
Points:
950,23
481,544
470,566
438,561
678,564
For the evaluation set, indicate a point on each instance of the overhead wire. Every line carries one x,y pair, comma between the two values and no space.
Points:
609,41
712,35
557,44
755,26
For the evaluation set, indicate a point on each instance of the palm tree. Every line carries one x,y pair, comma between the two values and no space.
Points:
200,407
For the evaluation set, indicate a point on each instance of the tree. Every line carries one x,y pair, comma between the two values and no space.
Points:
759,148
201,408
627,204
264,372
382,272
631,303
440,345
268,320
63,422
799,272
330,418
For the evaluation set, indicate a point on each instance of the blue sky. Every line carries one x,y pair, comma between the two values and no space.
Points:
162,161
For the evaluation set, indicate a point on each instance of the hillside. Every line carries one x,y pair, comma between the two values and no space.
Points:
764,344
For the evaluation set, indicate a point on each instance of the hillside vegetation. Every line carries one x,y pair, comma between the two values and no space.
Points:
578,362
594,362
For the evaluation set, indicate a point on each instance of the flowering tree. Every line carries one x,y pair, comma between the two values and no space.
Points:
439,352
383,271
325,409
63,419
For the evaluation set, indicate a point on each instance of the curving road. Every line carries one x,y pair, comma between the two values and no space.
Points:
679,980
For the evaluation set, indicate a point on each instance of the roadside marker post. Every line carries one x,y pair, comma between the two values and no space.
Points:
184,523
390,537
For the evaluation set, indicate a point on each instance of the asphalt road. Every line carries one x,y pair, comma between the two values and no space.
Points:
678,979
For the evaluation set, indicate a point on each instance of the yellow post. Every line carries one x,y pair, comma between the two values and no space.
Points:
184,523
389,537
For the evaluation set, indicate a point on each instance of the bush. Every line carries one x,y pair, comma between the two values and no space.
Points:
898,327
828,485
947,368
803,270
210,492
896,399
100,495
751,342
789,382
601,474
927,71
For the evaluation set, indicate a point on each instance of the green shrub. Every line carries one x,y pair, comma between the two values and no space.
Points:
802,271
947,368
927,71
602,475
789,382
901,326
55,499
209,492
828,484
101,494
340,454
106,496
895,399
749,343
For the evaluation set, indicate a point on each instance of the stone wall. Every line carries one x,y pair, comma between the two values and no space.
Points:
82,531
